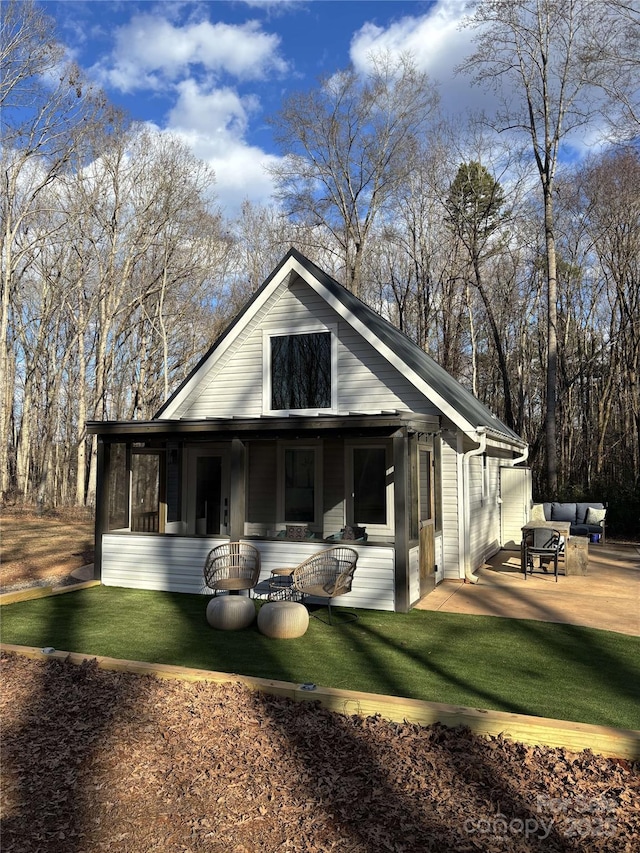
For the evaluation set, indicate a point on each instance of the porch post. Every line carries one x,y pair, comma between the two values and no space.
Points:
237,497
103,463
401,518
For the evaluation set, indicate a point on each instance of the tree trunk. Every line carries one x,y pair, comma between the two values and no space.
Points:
552,346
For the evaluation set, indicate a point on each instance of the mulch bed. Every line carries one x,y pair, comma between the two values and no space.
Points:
95,760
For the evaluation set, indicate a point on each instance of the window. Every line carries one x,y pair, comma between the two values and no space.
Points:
118,488
369,472
299,485
300,371
136,489
369,485
146,515
300,489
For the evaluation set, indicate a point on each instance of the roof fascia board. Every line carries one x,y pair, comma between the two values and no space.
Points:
263,426
449,411
222,345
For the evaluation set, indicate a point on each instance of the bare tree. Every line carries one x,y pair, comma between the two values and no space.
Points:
610,190
348,144
611,58
49,109
531,50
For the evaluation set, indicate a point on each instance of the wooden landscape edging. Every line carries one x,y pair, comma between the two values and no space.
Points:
43,591
535,731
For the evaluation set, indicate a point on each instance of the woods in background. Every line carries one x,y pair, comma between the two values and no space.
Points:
516,272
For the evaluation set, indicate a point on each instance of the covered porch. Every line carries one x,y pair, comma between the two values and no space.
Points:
169,491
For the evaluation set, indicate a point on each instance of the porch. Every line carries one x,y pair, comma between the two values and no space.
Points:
171,491
607,597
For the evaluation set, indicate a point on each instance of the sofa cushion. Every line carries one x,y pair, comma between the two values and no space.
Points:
547,510
579,530
563,512
595,515
585,529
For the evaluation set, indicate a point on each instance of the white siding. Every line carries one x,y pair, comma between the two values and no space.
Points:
485,508
478,511
492,544
175,563
170,563
366,381
450,521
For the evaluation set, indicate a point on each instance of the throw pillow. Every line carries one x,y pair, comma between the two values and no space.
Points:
595,516
351,532
297,531
537,512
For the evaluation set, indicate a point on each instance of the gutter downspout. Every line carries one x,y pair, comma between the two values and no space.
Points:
523,458
481,433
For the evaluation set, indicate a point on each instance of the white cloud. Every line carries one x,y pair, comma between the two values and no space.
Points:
197,69
150,51
213,123
434,39
437,45
221,112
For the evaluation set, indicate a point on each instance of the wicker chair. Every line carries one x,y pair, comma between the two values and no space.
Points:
327,574
232,567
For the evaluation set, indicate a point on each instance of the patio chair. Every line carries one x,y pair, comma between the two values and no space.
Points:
541,542
327,574
232,567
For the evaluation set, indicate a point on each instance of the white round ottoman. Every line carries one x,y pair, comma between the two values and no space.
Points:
231,612
283,620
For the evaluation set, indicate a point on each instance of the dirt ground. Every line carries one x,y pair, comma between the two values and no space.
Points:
42,550
99,761
103,761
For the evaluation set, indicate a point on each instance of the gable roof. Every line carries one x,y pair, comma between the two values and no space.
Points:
454,400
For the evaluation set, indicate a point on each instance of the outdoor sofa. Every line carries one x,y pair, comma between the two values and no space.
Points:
586,519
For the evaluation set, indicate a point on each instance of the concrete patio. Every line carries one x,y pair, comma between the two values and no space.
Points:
607,597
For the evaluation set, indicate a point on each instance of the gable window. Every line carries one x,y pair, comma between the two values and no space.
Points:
300,371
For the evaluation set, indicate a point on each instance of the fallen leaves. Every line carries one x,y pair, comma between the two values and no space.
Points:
103,761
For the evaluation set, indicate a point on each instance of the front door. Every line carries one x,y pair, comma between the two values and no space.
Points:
207,491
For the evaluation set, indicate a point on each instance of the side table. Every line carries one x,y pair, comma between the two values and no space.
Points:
280,584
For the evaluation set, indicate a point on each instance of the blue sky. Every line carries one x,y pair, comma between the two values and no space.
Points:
211,72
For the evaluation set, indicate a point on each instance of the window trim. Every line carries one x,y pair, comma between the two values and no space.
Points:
292,331
386,530
316,447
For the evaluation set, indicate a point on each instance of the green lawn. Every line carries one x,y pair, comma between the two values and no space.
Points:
527,667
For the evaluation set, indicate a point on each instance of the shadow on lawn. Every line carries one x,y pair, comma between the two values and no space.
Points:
584,658
372,812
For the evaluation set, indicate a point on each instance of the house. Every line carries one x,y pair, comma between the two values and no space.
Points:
311,413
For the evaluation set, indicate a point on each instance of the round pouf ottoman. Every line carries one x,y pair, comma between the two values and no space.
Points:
283,620
230,612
